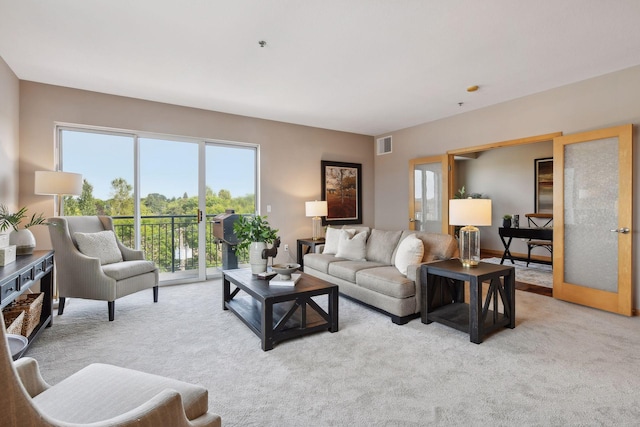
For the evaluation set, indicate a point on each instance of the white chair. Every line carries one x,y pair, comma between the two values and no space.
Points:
92,274
97,396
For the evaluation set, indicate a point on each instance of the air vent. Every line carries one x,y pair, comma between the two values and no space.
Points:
384,145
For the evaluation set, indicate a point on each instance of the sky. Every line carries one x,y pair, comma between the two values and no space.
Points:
166,167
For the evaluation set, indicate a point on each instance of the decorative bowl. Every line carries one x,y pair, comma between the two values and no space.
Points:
17,343
285,270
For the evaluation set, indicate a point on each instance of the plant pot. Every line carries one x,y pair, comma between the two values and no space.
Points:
506,223
258,264
24,240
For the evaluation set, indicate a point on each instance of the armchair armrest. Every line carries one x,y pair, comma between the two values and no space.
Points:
165,408
29,374
129,254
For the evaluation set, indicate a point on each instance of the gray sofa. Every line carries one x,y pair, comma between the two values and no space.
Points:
374,279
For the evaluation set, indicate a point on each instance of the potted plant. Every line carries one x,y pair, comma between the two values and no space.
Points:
506,221
21,237
254,233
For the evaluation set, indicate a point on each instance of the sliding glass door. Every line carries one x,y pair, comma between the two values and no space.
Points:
162,192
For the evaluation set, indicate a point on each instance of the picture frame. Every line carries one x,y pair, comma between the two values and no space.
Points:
543,185
342,190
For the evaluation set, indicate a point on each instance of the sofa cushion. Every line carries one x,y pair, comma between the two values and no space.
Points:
320,262
126,269
436,246
101,245
352,245
331,238
381,244
346,270
386,280
410,252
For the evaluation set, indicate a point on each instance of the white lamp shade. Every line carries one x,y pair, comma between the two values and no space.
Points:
58,183
316,208
470,212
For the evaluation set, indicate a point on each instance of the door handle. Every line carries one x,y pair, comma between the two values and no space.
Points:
623,230
412,220
199,216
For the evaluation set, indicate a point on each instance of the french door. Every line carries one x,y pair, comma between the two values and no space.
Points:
592,211
429,193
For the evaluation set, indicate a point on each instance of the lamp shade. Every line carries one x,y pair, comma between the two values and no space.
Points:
470,212
316,208
58,183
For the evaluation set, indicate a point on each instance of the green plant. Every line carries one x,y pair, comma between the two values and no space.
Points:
13,220
507,216
253,228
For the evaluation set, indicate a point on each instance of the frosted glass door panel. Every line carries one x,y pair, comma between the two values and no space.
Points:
590,213
428,197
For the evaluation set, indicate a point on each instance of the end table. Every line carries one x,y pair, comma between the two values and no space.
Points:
442,285
307,245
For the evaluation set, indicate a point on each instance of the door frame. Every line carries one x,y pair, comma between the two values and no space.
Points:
444,160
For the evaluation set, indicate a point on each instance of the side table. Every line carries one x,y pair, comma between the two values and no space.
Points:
307,245
442,285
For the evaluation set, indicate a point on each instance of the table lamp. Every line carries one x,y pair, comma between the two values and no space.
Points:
58,183
469,213
316,209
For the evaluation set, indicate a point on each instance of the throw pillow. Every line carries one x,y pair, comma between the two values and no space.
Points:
410,252
331,241
101,245
352,245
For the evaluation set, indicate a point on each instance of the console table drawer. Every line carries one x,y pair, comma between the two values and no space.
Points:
26,277
9,290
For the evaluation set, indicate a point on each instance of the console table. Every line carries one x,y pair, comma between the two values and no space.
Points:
442,286
18,277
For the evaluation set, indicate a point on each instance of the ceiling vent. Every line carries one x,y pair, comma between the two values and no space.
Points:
384,145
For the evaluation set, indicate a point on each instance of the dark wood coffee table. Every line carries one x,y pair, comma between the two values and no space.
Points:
278,313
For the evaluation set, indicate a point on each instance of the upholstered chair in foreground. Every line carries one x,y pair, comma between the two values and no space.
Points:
92,263
98,395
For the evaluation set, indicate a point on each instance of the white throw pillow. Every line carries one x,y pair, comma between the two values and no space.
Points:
331,241
410,252
101,245
352,245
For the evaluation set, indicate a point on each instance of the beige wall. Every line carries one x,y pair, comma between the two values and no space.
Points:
290,154
9,134
610,100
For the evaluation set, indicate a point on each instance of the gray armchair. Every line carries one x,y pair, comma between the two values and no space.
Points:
98,396
91,277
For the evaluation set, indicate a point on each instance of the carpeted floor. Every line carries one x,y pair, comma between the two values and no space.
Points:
563,364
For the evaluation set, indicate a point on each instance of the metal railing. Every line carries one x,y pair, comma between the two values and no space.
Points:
171,241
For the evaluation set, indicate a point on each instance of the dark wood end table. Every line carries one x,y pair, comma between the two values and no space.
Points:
277,313
443,301
307,245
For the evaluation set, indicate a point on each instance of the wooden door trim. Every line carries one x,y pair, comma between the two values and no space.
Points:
502,144
618,302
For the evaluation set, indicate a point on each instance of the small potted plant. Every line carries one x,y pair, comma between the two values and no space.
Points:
254,233
21,237
506,221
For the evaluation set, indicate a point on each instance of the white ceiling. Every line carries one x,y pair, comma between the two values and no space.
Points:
364,66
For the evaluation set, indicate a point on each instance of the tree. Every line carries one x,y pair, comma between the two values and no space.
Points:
86,201
121,198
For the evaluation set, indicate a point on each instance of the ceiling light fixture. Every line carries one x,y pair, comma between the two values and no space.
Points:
262,43
473,88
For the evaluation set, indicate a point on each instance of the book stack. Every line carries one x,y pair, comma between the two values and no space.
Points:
7,252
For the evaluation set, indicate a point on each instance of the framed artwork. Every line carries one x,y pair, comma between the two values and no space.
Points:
342,190
544,185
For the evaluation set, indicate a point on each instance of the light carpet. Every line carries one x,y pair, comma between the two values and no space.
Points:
534,274
562,365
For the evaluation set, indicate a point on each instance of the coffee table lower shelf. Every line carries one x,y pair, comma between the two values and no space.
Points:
248,310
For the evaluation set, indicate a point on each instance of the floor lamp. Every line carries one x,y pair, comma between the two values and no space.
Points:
59,184
316,209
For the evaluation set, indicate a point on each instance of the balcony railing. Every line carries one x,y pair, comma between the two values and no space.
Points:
171,241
